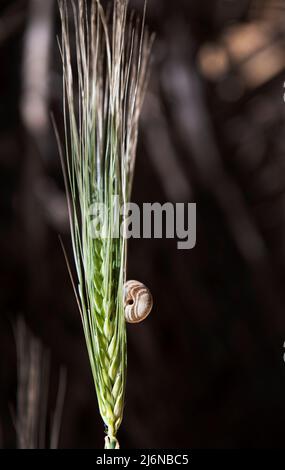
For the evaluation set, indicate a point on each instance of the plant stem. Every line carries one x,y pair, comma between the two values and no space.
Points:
111,442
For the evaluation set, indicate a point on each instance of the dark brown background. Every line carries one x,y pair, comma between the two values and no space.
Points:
206,369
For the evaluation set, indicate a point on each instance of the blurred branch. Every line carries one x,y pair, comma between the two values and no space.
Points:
33,370
32,396
190,118
37,45
35,116
57,415
163,156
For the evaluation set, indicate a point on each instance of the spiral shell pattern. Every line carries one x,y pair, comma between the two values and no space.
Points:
138,301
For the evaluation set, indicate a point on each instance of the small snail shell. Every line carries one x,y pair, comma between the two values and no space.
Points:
138,301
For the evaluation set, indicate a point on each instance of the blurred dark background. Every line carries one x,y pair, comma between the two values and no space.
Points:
206,369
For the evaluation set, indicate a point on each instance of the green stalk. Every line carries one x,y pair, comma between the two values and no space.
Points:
103,96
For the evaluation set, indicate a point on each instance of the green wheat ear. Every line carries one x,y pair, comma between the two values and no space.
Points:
103,96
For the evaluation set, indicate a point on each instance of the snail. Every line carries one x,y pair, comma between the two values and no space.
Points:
138,301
